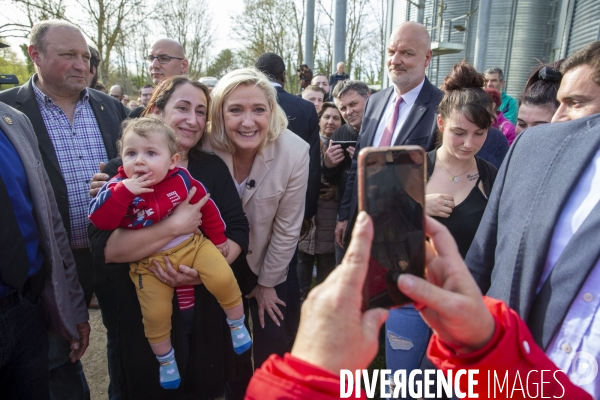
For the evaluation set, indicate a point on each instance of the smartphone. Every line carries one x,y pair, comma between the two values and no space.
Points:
392,191
344,143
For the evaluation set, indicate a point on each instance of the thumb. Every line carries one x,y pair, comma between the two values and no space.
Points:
423,292
203,200
184,269
191,194
372,321
102,165
251,295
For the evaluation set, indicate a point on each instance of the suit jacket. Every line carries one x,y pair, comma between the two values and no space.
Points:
275,205
494,148
304,122
539,173
418,129
62,296
109,114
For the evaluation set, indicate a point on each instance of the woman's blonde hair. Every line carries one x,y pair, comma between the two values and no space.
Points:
243,77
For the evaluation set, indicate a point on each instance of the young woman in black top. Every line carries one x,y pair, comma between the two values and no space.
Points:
459,182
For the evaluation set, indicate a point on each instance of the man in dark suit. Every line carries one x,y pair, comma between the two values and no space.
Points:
403,114
76,128
537,244
304,122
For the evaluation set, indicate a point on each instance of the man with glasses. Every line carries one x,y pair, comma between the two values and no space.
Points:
167,58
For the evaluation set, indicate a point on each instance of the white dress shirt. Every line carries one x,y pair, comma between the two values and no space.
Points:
408,101
575,348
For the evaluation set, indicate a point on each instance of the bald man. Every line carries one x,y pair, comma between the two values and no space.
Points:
166,58
116,91
408,55
403,114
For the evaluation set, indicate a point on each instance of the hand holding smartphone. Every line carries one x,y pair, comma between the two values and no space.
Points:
392,191
344,144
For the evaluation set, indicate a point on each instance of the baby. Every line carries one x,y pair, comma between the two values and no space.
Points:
134,199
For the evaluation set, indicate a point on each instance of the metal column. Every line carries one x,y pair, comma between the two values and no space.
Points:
339,34
310,33
481,40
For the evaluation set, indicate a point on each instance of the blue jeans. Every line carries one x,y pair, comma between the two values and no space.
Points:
67,380
407,337
23,350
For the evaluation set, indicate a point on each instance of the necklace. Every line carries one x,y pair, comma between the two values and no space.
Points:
237,175
455,177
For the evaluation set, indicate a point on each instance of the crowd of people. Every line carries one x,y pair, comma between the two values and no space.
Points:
201,214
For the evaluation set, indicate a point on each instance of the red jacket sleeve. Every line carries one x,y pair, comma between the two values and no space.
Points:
110,205
213,225
293,379
512,354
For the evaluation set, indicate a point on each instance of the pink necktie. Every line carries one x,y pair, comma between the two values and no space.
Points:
388,132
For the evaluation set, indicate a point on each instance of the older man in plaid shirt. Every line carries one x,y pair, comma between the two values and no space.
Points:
77,129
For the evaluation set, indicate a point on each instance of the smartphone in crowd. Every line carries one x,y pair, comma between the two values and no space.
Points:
344,143
392,191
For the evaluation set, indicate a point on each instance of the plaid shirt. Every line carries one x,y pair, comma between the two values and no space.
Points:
80,149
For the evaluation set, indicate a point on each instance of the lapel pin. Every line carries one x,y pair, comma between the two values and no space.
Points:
102,108
8,120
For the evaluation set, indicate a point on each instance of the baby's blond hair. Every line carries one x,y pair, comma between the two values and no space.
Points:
146,125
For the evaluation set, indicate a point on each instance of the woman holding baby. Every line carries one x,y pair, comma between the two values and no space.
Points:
264,175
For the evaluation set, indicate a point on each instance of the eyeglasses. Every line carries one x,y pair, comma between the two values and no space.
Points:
162,59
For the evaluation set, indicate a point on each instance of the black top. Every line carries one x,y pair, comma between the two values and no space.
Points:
335,78
212,360
466,216
137,112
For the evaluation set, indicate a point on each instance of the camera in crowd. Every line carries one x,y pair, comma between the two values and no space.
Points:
7,79
305,74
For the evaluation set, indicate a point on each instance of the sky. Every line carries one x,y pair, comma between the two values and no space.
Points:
221,10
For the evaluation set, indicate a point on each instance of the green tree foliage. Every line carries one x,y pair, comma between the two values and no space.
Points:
223,63
11,64
272,26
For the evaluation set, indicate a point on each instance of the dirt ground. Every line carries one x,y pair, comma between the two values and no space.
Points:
94,359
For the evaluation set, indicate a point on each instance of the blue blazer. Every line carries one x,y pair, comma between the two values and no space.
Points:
539,173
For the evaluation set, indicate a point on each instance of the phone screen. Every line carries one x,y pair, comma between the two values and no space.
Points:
392,192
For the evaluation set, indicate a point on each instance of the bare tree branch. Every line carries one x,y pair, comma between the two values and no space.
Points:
189,23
